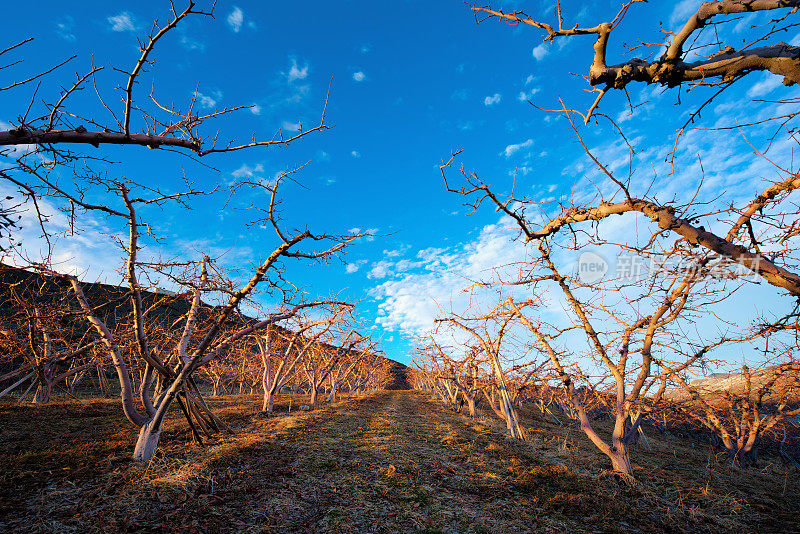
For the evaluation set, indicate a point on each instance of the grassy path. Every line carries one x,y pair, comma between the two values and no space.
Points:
394,461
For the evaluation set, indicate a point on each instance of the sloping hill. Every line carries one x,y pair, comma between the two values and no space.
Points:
400,378
111,305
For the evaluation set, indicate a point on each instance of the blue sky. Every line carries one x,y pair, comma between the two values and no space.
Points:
410,82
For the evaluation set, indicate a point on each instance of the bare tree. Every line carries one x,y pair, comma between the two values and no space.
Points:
742,407
139,121
722,242
462,373
682,59
42,341
167,356
284,349
489,332
754,226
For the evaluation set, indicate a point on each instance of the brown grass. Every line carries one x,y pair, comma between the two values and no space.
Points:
393,461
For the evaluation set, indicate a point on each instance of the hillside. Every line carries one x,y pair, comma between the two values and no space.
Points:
167,307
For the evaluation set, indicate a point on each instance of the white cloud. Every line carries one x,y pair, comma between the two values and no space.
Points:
65,28
299,92
492,100
359,76
418,291
524,96
296,72
122,22
396,253
682,11
91,254
380,269
354,266
291,126
540,51
366,48
248,171
356,154
255,109
235,19
192,44
512,149
767,83
205,100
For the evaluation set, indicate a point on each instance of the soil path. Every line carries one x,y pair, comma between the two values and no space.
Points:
393,462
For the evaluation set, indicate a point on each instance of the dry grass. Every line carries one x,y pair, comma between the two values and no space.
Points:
393,461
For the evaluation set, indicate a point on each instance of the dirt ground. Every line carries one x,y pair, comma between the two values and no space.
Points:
395,461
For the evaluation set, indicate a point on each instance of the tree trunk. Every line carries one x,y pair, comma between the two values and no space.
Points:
148,440
744,457
471,405
313,401
332,396
620,460
76,380
268,400
505,402
43,390
150,432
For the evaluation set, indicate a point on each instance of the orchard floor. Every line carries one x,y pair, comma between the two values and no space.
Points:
395,461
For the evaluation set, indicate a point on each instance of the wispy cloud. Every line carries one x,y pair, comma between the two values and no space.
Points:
513,149
246,171
123,22
295,80
296,72
539,52
206,101
767,83
236,19
492,100
353,267
682,11
290,126
415,291
65,28
527,95
190,43
359,76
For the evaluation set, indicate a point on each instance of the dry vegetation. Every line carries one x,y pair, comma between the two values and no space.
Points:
391,461
380,460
